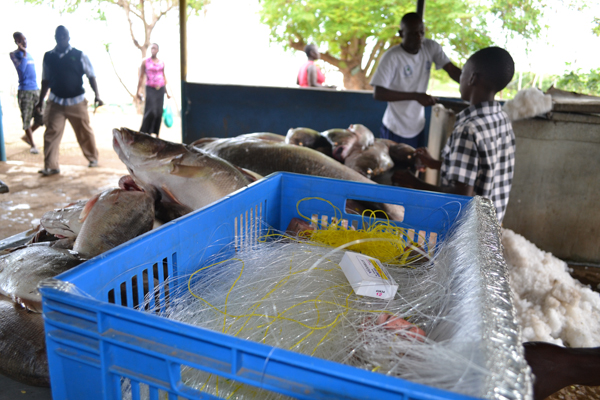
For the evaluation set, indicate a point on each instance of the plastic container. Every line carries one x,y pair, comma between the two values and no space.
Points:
93,344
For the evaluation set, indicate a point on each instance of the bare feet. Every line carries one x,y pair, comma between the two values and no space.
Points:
33,149
26,140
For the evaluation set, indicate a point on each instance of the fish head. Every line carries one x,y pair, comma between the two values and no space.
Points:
342,141
402,154
135,148
365,136
302,137
63,222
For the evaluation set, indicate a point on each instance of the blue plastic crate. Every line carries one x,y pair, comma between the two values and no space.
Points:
93,344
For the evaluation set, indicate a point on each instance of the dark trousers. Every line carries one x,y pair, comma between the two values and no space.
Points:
416,142
153,111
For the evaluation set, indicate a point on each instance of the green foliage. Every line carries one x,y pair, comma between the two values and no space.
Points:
356,31
596,29
440,84
580,82
572,81
70,6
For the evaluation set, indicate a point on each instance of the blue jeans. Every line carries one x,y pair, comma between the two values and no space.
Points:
415,142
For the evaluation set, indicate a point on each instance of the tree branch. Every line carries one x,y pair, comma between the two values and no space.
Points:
126,7
116,73
331,59
300,45
374,53
164,12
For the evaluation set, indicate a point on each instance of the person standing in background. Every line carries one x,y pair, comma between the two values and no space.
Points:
401,79
62,74
479,156
310,75
156,88
28,93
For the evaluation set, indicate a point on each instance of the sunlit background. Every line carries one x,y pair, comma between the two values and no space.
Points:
228,44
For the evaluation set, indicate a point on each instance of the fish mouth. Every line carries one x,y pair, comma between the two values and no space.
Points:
127,183
116,144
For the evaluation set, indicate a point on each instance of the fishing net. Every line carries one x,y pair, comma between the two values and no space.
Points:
451,324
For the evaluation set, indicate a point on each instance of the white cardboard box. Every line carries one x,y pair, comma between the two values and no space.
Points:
368,276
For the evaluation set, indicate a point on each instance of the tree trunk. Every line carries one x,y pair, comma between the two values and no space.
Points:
358,81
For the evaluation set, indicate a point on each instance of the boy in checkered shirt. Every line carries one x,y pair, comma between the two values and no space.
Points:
479,157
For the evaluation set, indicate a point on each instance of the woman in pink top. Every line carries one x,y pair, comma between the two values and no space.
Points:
156,88
309,74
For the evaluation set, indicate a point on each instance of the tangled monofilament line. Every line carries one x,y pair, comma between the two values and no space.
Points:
450,325
266,294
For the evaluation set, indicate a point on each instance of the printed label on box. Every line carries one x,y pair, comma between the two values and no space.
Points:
372,268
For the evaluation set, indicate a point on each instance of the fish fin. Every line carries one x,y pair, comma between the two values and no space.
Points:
29,305
88,207
249,177
170,196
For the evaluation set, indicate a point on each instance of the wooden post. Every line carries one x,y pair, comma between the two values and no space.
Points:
421,8
183,62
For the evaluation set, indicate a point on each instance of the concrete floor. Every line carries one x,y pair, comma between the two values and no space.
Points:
13,390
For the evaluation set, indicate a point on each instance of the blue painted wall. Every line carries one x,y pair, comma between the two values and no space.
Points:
230,110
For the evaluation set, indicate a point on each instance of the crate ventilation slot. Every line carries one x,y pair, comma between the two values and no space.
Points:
147,288
248,225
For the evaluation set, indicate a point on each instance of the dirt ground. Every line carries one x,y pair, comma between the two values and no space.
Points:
31,194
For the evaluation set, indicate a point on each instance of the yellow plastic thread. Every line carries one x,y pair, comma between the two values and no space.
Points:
394,247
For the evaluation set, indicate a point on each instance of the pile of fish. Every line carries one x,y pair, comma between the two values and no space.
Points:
183,178
166,180
357,148
65,238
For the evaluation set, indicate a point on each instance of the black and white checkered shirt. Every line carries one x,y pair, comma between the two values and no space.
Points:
481,153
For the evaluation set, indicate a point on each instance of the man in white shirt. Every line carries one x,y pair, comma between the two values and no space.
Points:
402,77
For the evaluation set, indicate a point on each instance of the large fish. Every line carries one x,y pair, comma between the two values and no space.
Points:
267,157
274,137
372,161
112,218
342,141
310,138
64,222
176,176
403,154
403,157
364,134
24,268
22,345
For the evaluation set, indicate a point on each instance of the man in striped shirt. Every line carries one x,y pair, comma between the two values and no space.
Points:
479,157
63,70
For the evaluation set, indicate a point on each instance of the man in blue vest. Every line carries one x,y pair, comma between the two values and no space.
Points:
62,73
